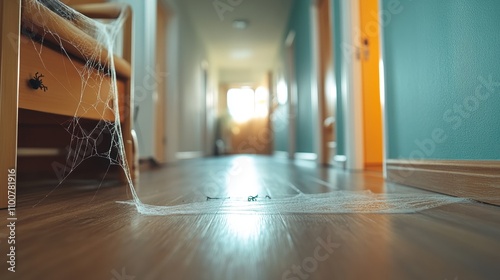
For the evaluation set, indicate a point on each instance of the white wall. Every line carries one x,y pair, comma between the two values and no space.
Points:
187,124
143,61
192,100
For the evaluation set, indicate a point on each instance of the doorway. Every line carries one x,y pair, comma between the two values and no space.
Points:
249,125
369,55
360,85
160,140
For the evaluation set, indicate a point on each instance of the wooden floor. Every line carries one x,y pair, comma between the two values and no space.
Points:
80,233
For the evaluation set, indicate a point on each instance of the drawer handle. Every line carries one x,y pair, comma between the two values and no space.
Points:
37,83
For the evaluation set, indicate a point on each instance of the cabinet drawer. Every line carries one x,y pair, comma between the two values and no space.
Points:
72,88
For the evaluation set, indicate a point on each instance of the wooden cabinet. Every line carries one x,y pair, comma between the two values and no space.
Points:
56,59
67,94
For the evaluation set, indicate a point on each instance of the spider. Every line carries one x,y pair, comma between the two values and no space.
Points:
254,198
37,83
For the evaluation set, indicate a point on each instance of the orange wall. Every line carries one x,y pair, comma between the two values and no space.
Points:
370,76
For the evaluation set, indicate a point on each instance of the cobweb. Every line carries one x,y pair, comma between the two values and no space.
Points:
88,44
104,138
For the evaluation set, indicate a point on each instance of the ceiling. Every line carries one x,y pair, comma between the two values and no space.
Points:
240,55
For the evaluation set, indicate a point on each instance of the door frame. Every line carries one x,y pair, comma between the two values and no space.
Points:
292,92
317,118
352,82
370,61
354,101
208,118
322,146
172,97
351,90
163,17
385,133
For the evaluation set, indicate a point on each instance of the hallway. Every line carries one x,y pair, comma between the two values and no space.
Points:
78,232
249,139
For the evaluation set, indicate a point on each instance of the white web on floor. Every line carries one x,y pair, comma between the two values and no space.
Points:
85,143
337,202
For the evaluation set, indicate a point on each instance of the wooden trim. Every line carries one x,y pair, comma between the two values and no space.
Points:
81,2
128,133
99,10
479,180
10,18
37,17
324,61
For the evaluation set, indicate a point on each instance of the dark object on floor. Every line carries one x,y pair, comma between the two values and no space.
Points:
210,198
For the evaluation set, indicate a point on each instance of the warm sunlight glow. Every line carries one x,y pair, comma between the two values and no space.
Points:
282,92
240,103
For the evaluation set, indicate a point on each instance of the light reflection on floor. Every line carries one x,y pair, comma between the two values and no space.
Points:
244,227
242,178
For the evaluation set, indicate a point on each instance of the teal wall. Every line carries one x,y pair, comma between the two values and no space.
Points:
440,102
300,22
280,128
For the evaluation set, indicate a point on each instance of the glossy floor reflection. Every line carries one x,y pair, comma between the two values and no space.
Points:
78,233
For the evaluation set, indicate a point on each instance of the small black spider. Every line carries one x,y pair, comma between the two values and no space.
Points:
37,83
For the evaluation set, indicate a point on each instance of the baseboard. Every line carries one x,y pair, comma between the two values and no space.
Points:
479,180
299,156
340,161
189,155
306,156
281,154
